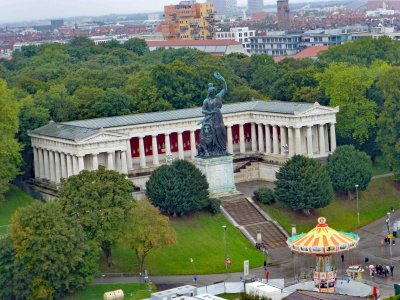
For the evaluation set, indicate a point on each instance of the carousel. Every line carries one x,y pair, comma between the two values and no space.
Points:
323,242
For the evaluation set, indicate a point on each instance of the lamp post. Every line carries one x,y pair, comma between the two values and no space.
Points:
294,231
226,265
389,235
358,209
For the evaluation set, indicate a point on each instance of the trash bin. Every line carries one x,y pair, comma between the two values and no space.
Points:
397,288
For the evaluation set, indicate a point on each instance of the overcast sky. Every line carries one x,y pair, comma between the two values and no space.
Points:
25,10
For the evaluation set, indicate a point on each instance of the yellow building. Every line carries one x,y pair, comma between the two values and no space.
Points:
189,20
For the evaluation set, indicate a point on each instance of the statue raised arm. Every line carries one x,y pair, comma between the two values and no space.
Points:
225,86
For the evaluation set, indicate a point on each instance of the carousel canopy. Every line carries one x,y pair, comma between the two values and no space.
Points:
323,240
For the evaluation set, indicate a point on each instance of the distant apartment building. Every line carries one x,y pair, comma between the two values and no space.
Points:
224,7
282,14
276,43
189,21
254,6
279,43
238,34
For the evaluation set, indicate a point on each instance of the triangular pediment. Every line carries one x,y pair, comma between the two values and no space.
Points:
104,136
317,109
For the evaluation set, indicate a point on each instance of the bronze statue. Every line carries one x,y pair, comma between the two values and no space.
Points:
212,132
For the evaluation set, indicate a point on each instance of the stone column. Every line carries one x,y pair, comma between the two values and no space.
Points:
298,141
36,162
129,155
75,164
283,139
110,161
70,169
167,144
117,160
260,139
253,138
154,146
95,161
181,153
81,164
229,143
275,140
242,139
57,164
333,137
193,150
41,167
310,151
46,164
321,139
124,167
52,167
291,141
267,139
142,154
63,163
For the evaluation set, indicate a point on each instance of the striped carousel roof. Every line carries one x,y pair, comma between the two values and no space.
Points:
323,240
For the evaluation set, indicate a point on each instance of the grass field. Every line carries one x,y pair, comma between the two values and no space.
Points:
132,291
200,237
15,198
341,214
379,167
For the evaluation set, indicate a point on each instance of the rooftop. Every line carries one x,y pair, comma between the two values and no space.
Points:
81,129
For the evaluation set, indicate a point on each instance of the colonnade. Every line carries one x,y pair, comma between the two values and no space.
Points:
54,165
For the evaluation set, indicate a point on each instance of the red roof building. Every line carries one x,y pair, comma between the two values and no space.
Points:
309,52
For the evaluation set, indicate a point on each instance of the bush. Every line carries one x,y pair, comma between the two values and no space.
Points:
178,188
264,196
214,206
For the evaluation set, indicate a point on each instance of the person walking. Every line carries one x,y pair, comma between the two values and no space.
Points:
265,265
342,257
391,270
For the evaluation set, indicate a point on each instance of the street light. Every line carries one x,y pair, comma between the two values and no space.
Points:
389,235
358,209
226,265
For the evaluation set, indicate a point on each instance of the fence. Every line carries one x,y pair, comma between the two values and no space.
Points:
222,288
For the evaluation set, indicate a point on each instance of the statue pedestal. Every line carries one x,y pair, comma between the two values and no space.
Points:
219,173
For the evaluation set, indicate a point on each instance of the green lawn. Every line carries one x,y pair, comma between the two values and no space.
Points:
132,291
341,214
230,296
200,237
15,198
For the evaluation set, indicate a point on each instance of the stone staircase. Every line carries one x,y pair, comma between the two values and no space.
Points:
251,220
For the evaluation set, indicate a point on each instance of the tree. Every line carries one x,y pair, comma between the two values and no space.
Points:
303,183
101,201
52,248
139,46
346,86
348,167
147,229
10,157
113,103
388,136
178,188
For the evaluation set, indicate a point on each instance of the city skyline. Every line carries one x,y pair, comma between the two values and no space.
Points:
29,10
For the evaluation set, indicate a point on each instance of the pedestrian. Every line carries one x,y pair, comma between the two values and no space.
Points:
266,275
391,270
265,265
342,257
195,278
366,259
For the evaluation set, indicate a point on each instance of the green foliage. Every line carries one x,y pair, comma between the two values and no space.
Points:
388,136
214,206
146,230
348,167
10,157
264,195
346,86
246,296
136,45
100,200
303,183
52,248
178,188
